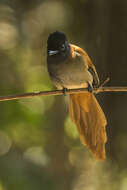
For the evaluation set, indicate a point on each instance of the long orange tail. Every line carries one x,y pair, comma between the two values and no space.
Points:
90,120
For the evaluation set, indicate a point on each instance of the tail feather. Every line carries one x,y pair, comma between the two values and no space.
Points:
90,120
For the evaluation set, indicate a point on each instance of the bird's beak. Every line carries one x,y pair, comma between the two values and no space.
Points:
53,52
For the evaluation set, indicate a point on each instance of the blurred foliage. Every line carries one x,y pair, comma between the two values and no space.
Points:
39,145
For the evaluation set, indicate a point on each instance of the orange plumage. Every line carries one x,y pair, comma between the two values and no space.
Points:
88,116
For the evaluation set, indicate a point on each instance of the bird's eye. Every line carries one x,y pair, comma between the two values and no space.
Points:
62,47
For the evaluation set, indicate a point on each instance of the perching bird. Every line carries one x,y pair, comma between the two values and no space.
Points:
70,67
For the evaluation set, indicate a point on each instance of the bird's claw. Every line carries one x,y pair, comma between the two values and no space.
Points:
64,91
90,88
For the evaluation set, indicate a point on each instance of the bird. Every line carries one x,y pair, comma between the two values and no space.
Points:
70,67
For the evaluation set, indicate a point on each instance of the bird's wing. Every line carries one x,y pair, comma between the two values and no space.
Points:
88,62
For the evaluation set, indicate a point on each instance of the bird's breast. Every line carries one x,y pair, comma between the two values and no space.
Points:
71,73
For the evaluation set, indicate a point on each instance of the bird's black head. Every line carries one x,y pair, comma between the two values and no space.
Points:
57,45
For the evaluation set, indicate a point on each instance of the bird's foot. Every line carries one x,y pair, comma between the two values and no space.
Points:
90,88
64,91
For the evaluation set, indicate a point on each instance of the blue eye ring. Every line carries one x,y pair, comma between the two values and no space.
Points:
62,47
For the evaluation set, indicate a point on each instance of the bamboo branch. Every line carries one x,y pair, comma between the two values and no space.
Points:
60,92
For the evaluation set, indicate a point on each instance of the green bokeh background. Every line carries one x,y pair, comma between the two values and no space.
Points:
39,145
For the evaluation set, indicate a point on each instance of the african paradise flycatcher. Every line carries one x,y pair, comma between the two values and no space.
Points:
70,67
